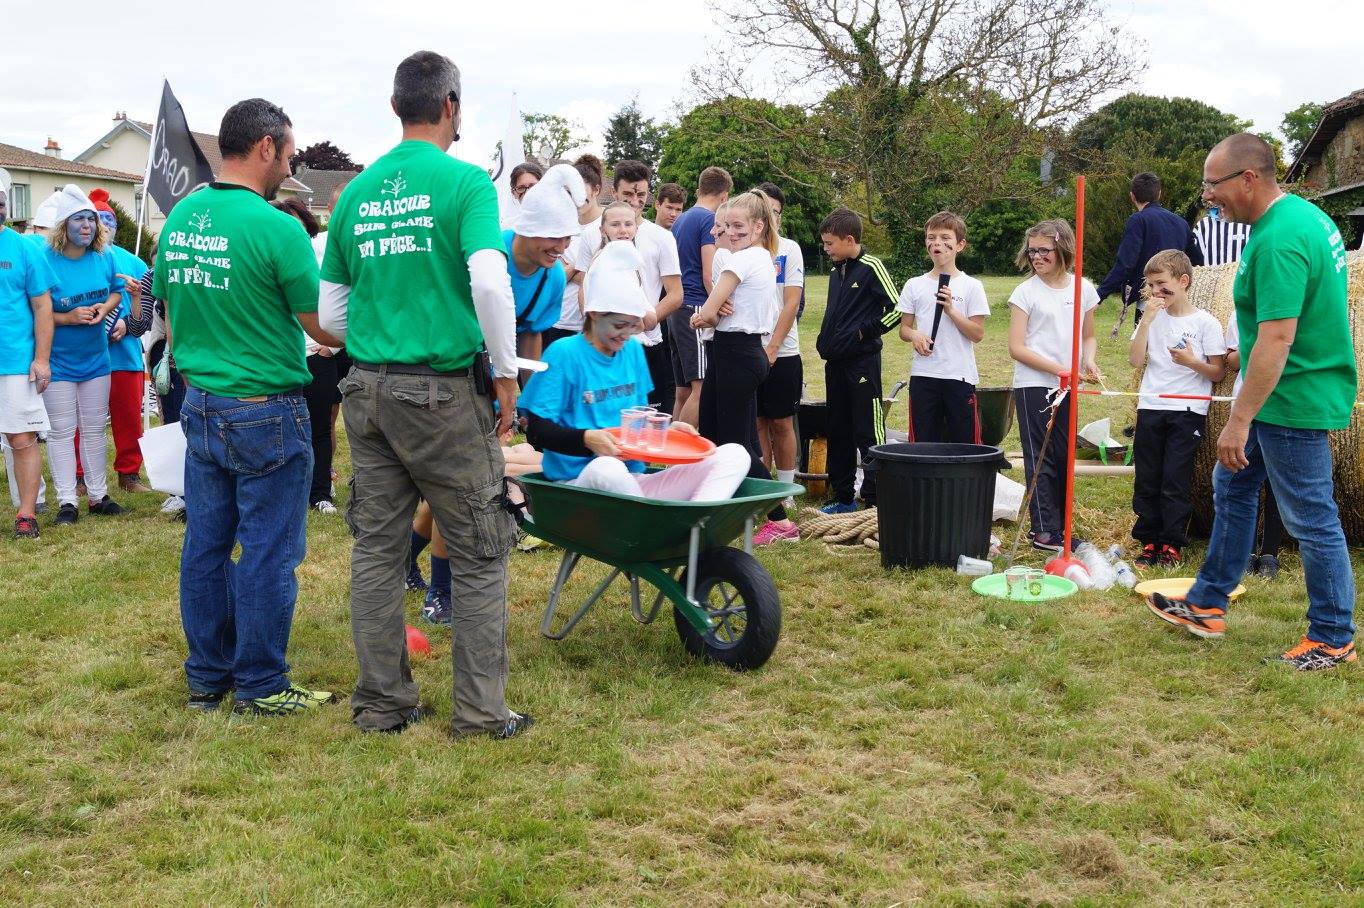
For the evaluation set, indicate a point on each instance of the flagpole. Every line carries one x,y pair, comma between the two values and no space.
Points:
147,172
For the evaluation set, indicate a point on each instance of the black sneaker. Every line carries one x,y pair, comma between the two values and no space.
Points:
1046,542
25,528
67,514
1268,566
410,718
416,583
436,609
107,507
1170,556
516,723
1149,556
205,702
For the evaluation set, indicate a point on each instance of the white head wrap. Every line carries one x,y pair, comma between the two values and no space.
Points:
45,217
70,200
612,283
549,209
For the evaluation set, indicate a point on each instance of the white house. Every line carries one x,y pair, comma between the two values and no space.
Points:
37,175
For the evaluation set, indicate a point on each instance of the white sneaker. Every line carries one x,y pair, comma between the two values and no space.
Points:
173,505
325,507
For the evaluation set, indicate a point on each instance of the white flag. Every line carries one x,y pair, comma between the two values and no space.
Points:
509,152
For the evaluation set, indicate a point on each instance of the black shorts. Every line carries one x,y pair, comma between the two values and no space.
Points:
689,358
779,394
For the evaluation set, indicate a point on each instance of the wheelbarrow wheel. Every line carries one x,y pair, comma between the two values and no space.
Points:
735,590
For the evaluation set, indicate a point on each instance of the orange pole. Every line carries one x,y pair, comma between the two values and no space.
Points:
1075,360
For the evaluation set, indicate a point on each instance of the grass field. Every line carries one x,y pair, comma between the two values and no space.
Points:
908,743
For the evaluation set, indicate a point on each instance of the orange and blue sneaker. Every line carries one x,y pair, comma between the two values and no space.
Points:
1311,656
1209,623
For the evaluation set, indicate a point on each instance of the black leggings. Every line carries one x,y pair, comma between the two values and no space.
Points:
729,396
320,395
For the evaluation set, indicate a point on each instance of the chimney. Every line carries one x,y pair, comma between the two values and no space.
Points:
53,150
120,115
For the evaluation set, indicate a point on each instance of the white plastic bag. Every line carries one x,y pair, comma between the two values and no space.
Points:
163,452
1008,498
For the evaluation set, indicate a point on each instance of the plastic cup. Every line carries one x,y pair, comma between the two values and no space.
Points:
1016,581
973,567
656,431
632,425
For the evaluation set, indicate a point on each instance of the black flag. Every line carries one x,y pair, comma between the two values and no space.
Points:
176,165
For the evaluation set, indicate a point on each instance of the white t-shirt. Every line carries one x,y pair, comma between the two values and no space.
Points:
790,273
579,255
1051,316
1232,341
755,299
953,356
658,249
1199,331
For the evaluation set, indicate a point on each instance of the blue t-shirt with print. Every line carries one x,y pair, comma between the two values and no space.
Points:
24,274
692,230
547,305
584,388
80,352
126,355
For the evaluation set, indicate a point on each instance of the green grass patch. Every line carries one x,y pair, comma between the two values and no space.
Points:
908,743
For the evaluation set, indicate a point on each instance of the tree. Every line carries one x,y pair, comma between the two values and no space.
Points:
126,234
323,156
716,134
631,136
927,102
1170,137
551,135
1298,126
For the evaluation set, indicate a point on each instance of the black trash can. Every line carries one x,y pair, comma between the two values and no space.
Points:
934,502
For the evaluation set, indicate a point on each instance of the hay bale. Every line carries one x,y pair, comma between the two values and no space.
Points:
1211,290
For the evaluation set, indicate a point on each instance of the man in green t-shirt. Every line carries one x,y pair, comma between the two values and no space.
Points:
239,280
415,280
1299,371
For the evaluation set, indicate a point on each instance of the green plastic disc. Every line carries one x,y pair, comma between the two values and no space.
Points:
1052,588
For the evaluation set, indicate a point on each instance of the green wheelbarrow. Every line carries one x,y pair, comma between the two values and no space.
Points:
725,605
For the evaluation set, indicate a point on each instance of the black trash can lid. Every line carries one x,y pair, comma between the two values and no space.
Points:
936,452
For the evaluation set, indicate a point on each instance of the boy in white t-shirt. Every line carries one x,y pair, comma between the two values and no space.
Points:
1184,349
944,323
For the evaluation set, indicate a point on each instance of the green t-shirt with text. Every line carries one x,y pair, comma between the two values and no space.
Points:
234,271
400,238
1294,267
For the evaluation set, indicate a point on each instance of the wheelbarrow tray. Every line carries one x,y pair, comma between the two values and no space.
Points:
624,530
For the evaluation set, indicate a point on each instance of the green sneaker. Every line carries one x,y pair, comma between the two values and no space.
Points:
291,700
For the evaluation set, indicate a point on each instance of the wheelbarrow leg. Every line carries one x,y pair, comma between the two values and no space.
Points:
635,605
566,568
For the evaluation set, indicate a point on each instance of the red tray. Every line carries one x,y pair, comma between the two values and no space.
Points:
682,447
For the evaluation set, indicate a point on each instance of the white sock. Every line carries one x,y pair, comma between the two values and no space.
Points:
787,476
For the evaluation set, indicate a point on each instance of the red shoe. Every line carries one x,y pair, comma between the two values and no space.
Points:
1149,556
1209,623
1169,557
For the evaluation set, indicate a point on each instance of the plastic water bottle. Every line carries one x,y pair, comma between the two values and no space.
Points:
1101,574
1125,575
1077,575
1114,553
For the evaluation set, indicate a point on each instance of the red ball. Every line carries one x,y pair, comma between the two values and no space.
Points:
417,644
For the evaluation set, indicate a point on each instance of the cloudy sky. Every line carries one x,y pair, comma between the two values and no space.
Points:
332,69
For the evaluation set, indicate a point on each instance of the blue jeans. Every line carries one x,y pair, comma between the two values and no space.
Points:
247,471
1297,463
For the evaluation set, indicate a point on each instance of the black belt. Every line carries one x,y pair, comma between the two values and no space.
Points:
409,369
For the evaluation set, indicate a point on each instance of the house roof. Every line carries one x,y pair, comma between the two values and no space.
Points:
322,183
208,143
23,159
1333,117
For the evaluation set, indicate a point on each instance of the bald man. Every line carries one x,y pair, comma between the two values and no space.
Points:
1290,295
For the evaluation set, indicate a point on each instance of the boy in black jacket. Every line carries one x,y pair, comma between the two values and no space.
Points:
861,308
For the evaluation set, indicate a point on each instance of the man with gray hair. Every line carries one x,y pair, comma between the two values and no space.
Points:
415,281
1291,311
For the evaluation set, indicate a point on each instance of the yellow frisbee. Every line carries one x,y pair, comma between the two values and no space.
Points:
1177,588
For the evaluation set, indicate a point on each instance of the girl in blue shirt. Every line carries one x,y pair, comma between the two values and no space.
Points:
596,374
87,289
